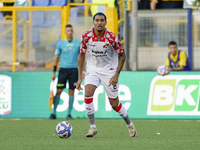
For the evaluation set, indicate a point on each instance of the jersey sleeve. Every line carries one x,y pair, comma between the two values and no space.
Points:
183,59
79,45
83,46
167,63
118,46
58,50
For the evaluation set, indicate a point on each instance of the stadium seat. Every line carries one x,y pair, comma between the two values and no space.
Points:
32,1
1,16
58,2
52,19
73,13
55,43
41,3
23,15
37,18
83,7
35,37
19,35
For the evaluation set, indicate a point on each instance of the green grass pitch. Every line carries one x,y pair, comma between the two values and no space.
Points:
39,134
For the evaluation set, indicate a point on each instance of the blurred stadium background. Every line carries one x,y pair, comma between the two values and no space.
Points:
36,30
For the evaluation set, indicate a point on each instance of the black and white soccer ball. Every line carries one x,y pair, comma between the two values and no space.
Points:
64,129
162,70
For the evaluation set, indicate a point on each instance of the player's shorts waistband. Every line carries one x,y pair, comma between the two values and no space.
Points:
68,69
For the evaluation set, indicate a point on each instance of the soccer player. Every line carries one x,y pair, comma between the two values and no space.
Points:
176,59
67,51
103,65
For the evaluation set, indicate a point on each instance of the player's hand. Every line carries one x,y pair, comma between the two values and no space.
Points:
167,72
78,85
114,80
83,75
53,76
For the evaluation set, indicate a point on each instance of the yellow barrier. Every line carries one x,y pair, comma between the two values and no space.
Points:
65,13
14,26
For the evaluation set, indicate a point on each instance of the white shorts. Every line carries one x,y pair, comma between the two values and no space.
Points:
95,79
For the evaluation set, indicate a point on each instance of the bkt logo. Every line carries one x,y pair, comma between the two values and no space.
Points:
174,95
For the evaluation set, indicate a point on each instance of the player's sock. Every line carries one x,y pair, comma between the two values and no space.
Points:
123,113
71,101
56,102
89,107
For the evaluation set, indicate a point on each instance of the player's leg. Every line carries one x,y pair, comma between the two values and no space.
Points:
89,107
92,81
118,107
60,86
71,101
112,93
73,77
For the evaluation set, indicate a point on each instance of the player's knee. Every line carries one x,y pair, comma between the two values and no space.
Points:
114,102
59,91
88,94
71,92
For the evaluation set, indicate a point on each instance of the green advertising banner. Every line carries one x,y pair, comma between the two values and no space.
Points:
190,4
144,94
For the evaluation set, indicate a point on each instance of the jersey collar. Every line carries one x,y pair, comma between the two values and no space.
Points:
94,35
68,41
175,55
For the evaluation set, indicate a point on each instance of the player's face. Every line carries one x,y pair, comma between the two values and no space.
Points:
99,23
172,49
69,32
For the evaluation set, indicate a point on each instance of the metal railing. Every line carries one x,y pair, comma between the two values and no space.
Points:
22,45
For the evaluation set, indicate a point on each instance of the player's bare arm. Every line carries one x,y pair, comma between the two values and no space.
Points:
181,68
56,59
81,62
153,4
114,79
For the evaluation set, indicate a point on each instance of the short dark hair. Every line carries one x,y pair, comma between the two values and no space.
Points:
172,43
68,25
100,14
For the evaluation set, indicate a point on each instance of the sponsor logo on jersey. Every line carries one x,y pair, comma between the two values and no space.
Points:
99,53
174,95
91,45
105,46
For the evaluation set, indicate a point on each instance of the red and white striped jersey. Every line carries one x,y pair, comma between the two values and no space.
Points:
102,51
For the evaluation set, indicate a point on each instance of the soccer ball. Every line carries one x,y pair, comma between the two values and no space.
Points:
64,129
162,70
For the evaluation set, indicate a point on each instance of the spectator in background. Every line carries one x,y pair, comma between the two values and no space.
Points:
144,4
170,4
176,59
